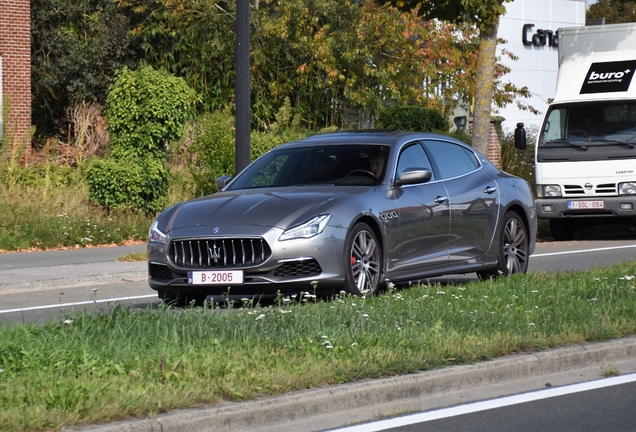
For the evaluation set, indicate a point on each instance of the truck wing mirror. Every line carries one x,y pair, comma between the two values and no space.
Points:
520,137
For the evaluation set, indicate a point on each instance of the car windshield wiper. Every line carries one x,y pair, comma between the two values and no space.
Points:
612,141
564,141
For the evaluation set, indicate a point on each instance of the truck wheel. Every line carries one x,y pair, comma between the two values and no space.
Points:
562,229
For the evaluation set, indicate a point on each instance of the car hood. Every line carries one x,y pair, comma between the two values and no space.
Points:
267,207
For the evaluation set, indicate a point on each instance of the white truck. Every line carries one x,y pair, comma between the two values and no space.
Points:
585,156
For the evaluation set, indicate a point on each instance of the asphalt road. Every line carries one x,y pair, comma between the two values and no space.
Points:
604,405
40,286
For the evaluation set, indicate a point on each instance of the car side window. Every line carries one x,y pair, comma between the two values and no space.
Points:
451,159
414,156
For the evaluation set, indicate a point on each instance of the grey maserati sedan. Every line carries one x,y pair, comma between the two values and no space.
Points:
345,211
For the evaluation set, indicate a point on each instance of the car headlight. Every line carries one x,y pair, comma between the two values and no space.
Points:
312,227
549,191
628,188
155,235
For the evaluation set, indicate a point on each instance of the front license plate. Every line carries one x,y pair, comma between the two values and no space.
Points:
585,205
216,277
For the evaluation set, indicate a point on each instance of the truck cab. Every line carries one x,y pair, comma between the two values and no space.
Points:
585,155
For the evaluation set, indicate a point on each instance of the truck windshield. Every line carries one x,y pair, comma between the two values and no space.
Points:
588,131
605,123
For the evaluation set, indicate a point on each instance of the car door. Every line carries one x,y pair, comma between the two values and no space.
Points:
473,198
423,211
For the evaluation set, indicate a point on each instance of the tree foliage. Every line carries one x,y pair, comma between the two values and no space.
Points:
614,11
76,47
413,118
484,14
338,62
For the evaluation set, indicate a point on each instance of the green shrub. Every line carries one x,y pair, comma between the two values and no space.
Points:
147,109
128,184
211,147
412,118
519,162
211,151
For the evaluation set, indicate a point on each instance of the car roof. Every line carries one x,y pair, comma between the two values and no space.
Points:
365,136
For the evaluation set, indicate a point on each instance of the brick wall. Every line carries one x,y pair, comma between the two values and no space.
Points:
15,49
494,147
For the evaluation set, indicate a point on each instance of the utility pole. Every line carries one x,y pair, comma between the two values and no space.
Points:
242,89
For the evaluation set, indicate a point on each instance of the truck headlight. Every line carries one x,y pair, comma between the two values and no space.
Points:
627,188
312,227
549,191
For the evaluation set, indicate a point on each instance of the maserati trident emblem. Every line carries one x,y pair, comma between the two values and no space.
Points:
214,253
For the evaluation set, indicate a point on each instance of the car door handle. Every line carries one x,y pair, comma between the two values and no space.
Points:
441,199
490,189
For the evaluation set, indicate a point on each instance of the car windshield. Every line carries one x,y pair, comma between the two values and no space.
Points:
334,164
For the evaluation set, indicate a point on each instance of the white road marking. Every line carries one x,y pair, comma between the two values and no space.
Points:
51,306
489,404
581,251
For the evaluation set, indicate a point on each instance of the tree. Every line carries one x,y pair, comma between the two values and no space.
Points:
485,15
614,11
77,46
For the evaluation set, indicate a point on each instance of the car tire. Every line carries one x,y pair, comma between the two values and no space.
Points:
362,261
513,253
562,229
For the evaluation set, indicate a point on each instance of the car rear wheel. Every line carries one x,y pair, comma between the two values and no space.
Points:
363,257
513,248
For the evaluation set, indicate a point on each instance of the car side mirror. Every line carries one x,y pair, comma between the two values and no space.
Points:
222,181
414,175
520,137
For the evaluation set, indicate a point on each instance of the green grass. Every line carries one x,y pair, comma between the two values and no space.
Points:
98,368
40,218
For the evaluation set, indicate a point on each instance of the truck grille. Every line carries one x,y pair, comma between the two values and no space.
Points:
219,253
578,190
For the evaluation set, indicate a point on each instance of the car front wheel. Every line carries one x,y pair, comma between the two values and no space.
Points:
362,261
513,248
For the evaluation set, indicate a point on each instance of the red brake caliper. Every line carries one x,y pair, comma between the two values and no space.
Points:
353,260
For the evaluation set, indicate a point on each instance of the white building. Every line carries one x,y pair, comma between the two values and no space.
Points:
530,29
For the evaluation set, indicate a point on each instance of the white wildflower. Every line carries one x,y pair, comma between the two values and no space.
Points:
260,317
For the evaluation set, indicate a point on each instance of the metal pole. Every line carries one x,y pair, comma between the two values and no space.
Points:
242,90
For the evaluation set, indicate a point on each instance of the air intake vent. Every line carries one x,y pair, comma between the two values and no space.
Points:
160,272
298,269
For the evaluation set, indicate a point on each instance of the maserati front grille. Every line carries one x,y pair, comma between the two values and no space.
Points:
219,253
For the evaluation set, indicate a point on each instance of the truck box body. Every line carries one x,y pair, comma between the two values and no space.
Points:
586,150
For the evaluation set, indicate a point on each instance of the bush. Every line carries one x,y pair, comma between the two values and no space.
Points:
147,109
519,162
413,118
128,184
211,147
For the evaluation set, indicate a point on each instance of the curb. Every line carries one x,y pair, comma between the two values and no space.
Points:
371,399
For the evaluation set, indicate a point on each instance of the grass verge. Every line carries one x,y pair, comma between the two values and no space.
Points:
98,368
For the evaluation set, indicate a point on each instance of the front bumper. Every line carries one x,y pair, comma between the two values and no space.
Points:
307,265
